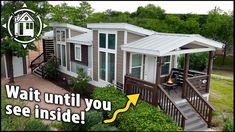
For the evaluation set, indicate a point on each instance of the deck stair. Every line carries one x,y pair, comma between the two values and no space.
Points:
194,121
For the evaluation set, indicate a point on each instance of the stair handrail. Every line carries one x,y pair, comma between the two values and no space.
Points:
184,117
198,94
32,63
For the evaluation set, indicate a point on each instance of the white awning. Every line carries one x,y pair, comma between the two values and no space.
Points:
162,44
85,39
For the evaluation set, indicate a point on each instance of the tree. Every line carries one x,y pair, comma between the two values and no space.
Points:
9,47
219,26
69,14
150,11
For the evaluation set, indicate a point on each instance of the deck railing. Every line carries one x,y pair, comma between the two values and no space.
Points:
201,106
161,98
167,104
199,82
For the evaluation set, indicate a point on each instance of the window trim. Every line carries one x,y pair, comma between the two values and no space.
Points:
60,38
61,43
141,69
75,53
106,50
164,75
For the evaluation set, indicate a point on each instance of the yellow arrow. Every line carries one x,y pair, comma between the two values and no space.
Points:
133,98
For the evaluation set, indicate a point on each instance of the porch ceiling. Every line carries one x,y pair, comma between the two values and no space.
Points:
162,44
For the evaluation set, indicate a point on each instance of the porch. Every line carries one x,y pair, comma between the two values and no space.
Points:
153,61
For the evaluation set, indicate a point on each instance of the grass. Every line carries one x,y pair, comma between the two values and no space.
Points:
221,97
11,122
18,123
223,73
228,61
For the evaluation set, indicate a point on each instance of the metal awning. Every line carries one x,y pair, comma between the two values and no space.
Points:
162,44
85,39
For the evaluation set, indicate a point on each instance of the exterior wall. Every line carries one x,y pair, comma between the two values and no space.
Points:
74,33
133,37
84,57
95,55
120,41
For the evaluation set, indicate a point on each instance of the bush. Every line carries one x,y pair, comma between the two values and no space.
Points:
51,68
103,127
228,126
36,125
142,117
92,118
80,83
197,61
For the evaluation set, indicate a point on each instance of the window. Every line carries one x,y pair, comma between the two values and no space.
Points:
102,67
107,56
77,52
27,25
63,59
136,65
166,61
102,40
31,25
60,35
111,41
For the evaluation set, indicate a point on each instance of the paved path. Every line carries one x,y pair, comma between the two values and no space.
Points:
44,86
222,77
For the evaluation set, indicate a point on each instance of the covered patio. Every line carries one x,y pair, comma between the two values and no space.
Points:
151,63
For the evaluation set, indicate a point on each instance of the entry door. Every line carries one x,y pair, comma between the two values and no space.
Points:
150,69
21,28
17,66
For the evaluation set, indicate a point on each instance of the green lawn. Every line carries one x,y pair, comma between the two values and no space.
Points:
228,61
221,97
223,73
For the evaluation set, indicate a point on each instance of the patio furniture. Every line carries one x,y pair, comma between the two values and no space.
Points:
170,87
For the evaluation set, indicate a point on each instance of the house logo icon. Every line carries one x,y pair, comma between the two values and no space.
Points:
24,26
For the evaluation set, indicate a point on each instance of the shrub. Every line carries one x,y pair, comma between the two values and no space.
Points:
103,127
142,117
36,125
92,118
197,61
80,83
51,68
228,126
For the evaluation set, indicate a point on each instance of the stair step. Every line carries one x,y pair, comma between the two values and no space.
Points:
192,120
195,126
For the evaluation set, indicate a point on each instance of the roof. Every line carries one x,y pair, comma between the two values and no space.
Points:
161,44
23,15
48,35
122,26
85,39
70,26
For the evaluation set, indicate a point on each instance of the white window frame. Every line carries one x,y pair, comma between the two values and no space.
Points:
61,43
164,75
142,62
106,50
75,53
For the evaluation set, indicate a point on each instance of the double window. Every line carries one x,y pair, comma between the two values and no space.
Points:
107,52
60,35
29,25
61,47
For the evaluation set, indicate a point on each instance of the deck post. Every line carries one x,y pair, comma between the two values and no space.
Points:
158,80
209,69
186,68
